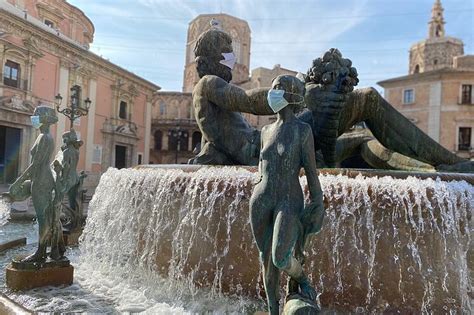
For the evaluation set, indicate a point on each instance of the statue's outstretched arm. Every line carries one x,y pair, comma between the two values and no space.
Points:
231,97
392,129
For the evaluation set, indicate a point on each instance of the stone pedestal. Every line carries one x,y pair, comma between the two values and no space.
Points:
300,306
25,276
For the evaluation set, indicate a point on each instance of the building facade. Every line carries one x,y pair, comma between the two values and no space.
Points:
173,115
44,51
437,94
175,133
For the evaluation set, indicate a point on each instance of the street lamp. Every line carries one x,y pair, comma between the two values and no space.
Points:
75,108
177,133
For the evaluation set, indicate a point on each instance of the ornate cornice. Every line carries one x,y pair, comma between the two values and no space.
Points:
69,52
50,12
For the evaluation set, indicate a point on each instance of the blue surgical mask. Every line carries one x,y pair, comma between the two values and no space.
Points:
229,60
35,121
276,100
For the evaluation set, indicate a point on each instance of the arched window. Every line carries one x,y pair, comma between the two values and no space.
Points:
196,139
439,32
158,140
162,109
435,62
123,110
417,69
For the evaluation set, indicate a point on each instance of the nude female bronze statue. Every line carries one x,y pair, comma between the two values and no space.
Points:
38,182
280,222
68,181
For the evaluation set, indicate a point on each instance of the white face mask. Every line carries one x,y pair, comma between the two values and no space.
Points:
229,60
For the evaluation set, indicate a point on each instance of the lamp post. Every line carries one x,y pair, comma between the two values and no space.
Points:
75,108
178,134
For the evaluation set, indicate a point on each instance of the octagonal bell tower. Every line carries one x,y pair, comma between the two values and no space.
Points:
238,29
438,50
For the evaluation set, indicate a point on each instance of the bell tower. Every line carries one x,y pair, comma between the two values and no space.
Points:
238,29
438,50
436,25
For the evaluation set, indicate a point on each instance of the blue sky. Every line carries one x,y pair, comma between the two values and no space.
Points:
148,37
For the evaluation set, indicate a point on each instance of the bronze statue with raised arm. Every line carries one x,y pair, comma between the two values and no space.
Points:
228,138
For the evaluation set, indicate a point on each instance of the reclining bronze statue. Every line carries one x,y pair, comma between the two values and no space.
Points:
391,141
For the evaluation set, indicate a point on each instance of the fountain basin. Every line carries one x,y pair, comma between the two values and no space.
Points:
390,242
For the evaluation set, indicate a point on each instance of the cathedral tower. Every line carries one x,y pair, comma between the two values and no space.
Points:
438,50
238,29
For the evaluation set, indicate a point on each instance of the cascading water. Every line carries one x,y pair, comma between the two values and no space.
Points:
387,245
4,212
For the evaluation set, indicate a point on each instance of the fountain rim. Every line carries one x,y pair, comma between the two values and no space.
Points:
349,172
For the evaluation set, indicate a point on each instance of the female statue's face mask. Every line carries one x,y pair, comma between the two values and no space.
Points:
35,121
229,60
277,101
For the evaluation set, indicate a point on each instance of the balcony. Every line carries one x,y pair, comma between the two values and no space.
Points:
174,122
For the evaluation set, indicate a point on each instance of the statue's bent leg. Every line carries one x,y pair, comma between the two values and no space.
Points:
57,241
210,155
261,218
377,156
285,236
44,236
392,129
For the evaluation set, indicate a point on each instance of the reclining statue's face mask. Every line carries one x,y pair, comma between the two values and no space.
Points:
35,121
277,101
229,60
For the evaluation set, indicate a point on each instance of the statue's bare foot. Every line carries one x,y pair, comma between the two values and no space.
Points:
307,290
56,255
36,257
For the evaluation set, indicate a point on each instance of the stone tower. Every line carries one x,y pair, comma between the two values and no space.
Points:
438,50
238,29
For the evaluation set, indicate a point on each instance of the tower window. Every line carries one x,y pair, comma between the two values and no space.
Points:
49,23
123,110
464,138
435,62
417,69
466,94
11,74
408,96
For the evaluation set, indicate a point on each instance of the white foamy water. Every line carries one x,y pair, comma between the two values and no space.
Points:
192,228
143,217
154,237
4,212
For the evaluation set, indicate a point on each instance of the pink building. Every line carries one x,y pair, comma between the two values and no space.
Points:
44,51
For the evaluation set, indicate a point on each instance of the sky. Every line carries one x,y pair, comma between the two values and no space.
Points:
148,37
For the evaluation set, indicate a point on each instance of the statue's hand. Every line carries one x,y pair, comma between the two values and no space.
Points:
57,166
313,217
318,98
